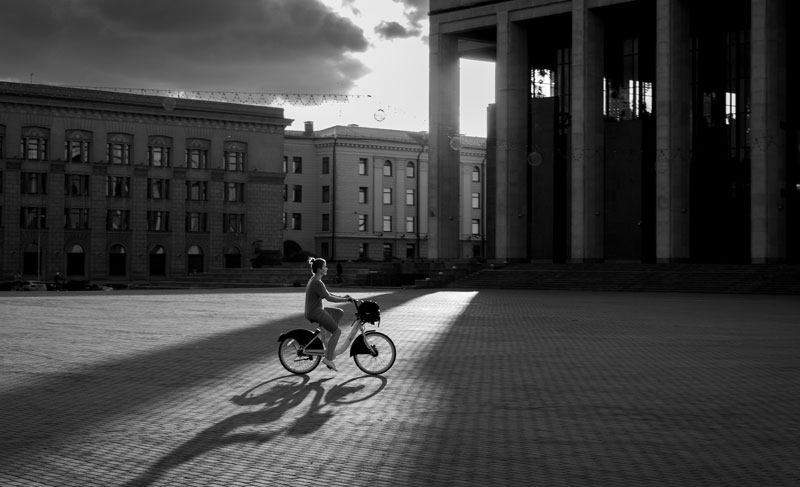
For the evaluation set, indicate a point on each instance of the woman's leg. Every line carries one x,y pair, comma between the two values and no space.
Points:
331,325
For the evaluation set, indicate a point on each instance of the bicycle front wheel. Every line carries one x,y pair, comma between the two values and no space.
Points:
382,357
293,359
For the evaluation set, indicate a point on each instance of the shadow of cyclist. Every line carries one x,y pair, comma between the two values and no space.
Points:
279,396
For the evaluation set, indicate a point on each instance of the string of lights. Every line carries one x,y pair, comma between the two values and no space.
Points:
242,97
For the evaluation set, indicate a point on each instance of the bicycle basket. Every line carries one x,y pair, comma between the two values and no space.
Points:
369,312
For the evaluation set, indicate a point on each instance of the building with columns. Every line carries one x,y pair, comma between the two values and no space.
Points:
625,130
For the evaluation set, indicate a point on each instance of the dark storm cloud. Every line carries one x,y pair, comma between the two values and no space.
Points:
415,11
296,46
393,30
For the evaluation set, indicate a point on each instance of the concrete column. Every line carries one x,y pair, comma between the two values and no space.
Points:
443,193
673,130
587,135
767,138
512,96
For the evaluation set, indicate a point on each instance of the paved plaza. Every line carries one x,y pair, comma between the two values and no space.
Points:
506,388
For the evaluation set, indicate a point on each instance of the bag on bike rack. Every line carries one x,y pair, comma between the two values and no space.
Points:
369,312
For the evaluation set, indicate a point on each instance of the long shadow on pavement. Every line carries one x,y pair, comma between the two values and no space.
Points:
51,408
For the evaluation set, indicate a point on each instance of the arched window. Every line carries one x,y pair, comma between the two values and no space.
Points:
76,261
195,259
476,174
387,168
158,261
411,170
233,258
117,261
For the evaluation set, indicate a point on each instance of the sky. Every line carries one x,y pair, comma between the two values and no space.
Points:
368,57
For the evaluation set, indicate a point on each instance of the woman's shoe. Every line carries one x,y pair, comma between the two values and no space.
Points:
330,364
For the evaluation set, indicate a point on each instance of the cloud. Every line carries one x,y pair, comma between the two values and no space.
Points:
393,30
294,46
415,11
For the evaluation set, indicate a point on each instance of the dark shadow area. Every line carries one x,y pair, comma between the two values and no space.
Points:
49,409
280,397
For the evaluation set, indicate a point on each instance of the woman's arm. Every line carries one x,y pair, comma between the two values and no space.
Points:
332,297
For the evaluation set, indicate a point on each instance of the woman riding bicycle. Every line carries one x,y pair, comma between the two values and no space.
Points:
328,318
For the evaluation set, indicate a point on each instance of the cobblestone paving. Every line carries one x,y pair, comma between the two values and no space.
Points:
489,388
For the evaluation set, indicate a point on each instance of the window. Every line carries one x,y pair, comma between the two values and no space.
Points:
235,153
362,194
297,165
33,183
76,260
326,165
197,190
476,200
232,223
158,189
196,156
33,217
158,261
326,222
411,197
117,219
33,144
387,223
411,170
326,194
362,223
387,196
2,140
410,224
285,219
411,251
76,218
234,192
77,146
362,166
387,168
297,193
118,149
118,186
297,221
158,151
476,174
157,221
117,261
388,251
363,250
285,192
76,185
285,164
476,226
196,222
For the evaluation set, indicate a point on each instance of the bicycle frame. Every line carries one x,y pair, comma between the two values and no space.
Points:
310,345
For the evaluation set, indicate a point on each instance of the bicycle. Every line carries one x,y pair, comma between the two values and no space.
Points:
301,350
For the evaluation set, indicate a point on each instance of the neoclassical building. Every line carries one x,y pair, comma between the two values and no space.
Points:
362,193
122,187
625,130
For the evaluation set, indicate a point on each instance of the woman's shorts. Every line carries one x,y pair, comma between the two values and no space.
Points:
328,318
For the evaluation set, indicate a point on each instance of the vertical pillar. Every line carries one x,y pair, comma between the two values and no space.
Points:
587,135
512,96
767,139
443,193
673,130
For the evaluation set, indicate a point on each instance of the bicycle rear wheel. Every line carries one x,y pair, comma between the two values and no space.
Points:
382,359
293,359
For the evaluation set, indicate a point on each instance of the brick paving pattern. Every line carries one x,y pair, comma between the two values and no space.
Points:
489,388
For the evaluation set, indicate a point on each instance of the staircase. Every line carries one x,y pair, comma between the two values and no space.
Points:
692,278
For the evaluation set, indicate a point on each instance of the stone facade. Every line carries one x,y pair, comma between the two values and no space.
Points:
626,130
133,187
